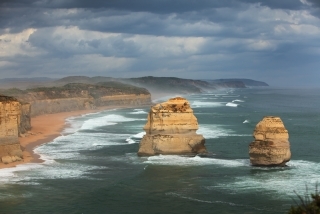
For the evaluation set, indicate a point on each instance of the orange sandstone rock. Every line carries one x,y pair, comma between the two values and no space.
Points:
271,146
171,129
10,115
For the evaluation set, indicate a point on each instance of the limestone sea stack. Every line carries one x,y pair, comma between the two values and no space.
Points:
271,146
171,129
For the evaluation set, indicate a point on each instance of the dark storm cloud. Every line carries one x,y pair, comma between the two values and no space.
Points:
156,17
211,22
154,6
192,39
315,3
278,4
63,45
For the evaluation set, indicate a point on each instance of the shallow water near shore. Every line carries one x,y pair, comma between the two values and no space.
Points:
93,167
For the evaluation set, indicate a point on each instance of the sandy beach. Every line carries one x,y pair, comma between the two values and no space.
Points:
45,128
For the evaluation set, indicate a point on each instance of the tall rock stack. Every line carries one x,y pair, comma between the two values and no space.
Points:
171,129
10,112
271,146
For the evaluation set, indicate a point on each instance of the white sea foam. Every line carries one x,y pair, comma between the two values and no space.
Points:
138,109
232,105
130,141
75,123
69,147
28,173
108,120
283,180
213,131
246,121
8,175
139,135
194,161
241,101
197,104
72,125
139,112
135,138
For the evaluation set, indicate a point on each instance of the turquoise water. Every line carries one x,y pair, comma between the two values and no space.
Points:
93,167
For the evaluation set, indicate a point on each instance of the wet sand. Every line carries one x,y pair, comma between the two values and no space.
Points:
45,128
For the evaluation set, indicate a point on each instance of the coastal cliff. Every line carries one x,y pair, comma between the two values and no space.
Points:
171,129
25,118
10,120
271,146
79,96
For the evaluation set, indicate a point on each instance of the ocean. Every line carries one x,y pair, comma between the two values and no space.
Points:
93,166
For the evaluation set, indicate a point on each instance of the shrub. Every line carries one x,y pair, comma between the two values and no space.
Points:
307,205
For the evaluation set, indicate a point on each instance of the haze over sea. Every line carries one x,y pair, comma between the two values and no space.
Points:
93,167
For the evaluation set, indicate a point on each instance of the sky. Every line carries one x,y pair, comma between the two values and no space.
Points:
276,41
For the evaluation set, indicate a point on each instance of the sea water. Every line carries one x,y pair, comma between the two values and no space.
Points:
93,166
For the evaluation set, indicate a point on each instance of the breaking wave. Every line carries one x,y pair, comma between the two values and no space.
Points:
108,120
241,101
232,105
197,104
138,111
177,160
135,138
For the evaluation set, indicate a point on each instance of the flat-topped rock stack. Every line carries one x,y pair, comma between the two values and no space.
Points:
271,146
171,129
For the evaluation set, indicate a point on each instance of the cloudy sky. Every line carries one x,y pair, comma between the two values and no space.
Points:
277,41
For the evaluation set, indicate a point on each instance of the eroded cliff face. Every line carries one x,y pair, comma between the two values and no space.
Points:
25,118
271,146
10,112
80,96
171,129
50,106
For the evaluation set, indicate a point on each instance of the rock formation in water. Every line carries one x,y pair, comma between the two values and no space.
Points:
171,129
10,118
271,146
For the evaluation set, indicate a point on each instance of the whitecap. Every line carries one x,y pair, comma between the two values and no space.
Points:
177,160
70,146
232,105
139,112
72,125
241,101
283,180
139,135
130,141
135,138
9,175
246,121
213,131
197,104
108,120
